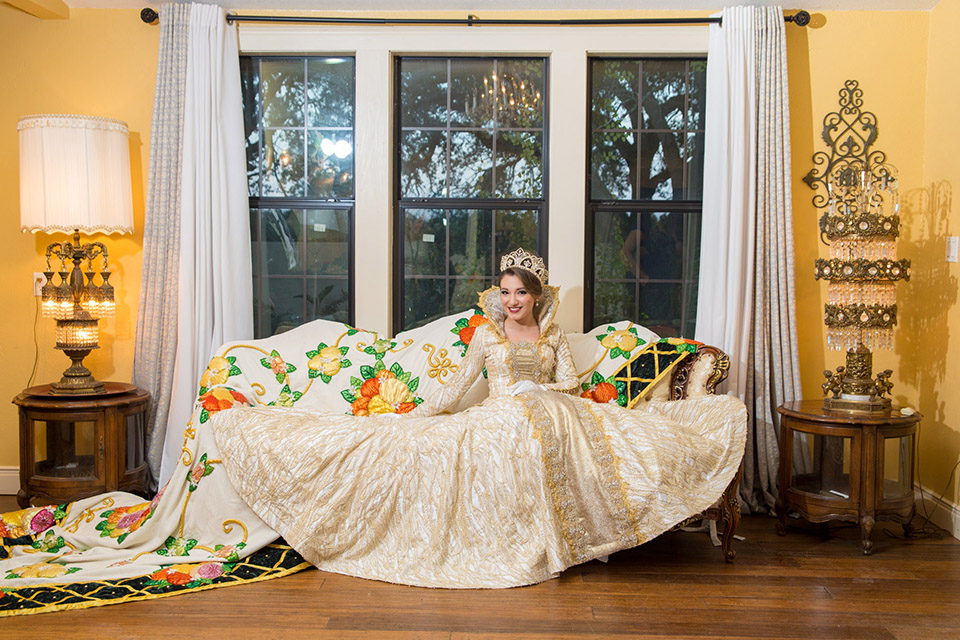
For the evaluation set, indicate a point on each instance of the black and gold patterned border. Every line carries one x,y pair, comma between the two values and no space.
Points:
650,365
273,561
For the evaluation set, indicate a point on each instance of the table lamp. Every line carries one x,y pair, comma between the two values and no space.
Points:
75,176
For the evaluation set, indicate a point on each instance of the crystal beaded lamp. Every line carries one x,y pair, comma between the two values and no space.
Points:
75,176
860,223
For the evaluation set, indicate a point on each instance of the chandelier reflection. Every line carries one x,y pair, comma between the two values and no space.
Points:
504,99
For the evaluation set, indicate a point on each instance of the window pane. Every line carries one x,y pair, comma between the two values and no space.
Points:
328,299
651,257
520,92
463,292
330,92
697,88
328,241
423,162
694,161
519,165
616,92
616,245
660,309
280,248
424,301
330,162
425,242
471,164
299,122
471,130
664,94
516,229
613,166
250,92
282,304
470,246
283,163
614,301
282,92
423,92
661,246
471,92
661,166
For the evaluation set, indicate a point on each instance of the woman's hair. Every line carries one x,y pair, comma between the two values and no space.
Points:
530,281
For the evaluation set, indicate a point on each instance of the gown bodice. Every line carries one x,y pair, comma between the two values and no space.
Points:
547,361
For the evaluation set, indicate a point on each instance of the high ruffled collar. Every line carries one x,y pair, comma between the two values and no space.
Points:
490,304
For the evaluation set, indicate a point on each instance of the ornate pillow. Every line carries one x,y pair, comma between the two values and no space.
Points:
646,370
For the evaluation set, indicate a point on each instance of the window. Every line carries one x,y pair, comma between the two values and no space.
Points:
299,127
645,192
470,166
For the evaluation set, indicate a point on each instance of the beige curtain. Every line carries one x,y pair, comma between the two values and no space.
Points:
156,342
746,303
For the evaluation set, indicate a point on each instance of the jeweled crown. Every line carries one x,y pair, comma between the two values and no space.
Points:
521,259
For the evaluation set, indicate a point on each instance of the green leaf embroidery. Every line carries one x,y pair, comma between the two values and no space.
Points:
349,397
367,372
414,384
396,369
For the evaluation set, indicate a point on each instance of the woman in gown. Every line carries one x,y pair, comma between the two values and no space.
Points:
506,493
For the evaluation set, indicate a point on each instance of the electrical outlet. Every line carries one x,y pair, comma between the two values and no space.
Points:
38,281
953,248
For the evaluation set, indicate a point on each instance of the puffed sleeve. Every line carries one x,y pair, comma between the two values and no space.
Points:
460,382
565,377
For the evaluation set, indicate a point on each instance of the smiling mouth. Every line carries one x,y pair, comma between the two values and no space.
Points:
514,309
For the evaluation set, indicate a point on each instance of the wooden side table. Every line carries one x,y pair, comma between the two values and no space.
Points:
73,447
845,466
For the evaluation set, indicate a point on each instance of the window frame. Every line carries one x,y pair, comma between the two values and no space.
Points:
640,207
373,48
400,204
261,202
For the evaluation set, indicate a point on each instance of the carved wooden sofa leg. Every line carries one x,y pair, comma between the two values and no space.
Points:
730,516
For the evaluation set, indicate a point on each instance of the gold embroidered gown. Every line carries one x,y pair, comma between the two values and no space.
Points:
506,493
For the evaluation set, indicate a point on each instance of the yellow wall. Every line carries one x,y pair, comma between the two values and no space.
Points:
100,63
932,359
902,61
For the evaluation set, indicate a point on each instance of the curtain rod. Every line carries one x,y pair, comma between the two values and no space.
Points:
800,18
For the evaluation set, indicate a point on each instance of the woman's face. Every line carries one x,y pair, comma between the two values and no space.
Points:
516,300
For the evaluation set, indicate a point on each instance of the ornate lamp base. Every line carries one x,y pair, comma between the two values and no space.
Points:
77,379
854,389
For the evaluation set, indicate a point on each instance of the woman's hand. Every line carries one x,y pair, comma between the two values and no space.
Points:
523,386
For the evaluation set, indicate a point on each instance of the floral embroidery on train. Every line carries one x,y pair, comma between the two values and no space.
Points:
189,575
201,470
278,365
122,521
32,521
620,342
218,372
325,361
682,344
604,390
40,570
220,399
465,328
381,390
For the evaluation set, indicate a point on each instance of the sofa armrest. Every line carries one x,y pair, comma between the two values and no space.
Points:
700,375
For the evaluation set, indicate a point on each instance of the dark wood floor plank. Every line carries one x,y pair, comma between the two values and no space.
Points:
802,585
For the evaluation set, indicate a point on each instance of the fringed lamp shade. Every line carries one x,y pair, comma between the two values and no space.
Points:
74,175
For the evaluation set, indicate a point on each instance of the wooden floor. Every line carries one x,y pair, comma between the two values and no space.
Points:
804,585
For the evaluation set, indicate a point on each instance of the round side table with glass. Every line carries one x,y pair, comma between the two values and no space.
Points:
846,466
74,446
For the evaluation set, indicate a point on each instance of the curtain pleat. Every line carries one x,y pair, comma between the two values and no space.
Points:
215,301
750,72
156,340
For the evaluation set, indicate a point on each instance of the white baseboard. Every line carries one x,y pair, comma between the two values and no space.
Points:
943,513
9,481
